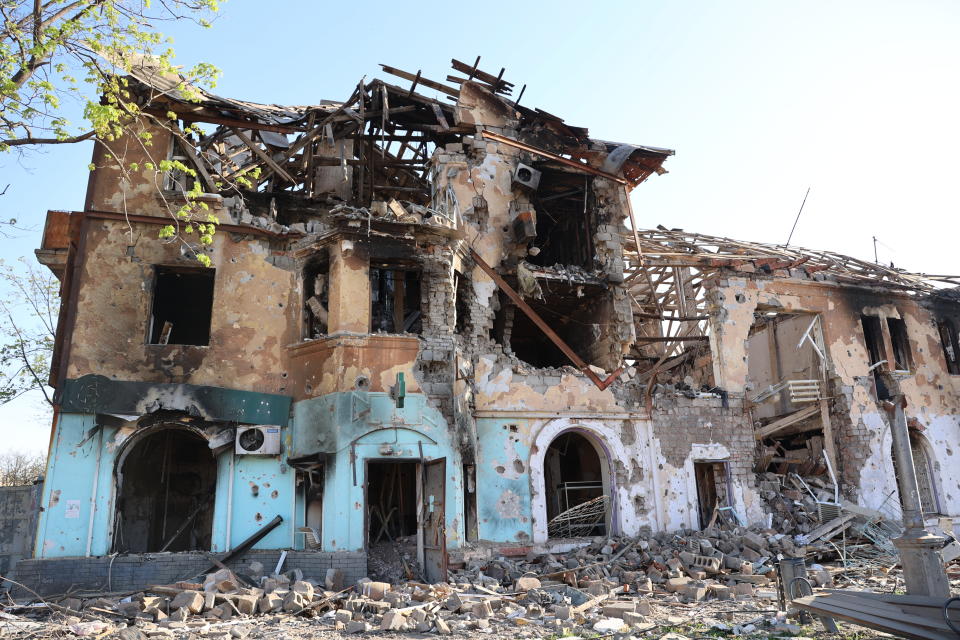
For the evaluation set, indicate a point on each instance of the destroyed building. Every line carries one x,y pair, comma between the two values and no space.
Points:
439,318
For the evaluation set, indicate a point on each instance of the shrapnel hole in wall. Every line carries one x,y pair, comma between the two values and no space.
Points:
182,305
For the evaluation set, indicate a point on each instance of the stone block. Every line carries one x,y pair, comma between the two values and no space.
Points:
269,602
293,602
304,588
482,609
392,621
246,604
633,619
526,583
617,609
334,580
358,626
190,600
676,584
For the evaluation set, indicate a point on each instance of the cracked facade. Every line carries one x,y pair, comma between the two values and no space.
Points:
377,297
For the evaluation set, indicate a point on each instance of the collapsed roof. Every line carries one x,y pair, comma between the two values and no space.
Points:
387,132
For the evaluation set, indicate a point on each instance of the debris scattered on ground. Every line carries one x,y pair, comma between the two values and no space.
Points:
723,578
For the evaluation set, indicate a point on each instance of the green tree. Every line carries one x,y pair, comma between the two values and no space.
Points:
29,307
54,53
55,50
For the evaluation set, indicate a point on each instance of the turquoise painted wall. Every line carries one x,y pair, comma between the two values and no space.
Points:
503,493
76,489
352,428
263,487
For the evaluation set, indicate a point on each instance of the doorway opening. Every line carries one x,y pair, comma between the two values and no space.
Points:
406,515
577,488
166,483
713,490
391,500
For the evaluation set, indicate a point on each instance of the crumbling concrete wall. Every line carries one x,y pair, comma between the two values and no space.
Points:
860,424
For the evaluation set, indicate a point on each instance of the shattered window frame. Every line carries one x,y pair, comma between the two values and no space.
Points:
413,324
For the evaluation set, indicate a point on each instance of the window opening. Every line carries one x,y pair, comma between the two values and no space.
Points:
578,313
316,293
312,481
395,299
564,205
165,494
462,304
573,477
785,363
901,344
950,341
182,306
177,180
873,336
925,474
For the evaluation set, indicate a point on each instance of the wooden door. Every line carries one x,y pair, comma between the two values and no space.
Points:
433,528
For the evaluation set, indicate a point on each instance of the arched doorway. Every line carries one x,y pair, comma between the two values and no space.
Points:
166,479
577,484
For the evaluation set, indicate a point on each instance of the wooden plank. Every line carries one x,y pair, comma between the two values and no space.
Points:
201,115
828,442
552,156
442,88
785,422
263,155
830,529
815,604
887,610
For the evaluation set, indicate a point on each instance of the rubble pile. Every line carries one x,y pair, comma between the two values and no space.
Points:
609,585
796,511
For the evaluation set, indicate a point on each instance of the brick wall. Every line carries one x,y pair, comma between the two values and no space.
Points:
52,576
680,422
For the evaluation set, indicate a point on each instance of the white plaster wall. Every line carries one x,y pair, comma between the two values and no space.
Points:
637,470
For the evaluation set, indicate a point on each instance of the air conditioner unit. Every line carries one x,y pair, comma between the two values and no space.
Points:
262,440
526,176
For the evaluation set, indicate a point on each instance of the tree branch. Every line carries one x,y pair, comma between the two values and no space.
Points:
17,142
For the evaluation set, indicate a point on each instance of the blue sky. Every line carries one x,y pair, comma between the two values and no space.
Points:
760,99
